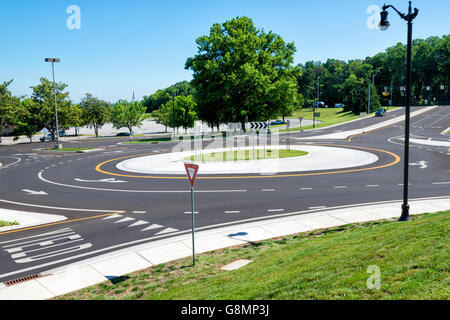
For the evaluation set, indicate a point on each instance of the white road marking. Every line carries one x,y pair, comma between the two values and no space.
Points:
372,185
125,220
319,207
114,216
268,190
108,180
56,208
21,254
138,223
32,192
153,226
136,191
275,210
340,187
232,211
422,164
168,230
306,188
139,211
447,182
190,212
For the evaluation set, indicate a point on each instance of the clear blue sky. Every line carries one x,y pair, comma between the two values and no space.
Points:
142,45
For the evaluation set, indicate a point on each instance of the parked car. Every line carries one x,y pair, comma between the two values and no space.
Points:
319,104
124,134
339,105
62,133
380,112
276,122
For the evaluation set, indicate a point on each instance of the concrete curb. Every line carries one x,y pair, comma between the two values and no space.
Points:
27,219
99,269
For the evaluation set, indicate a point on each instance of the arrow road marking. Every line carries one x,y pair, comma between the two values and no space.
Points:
422,164
32,192
109,180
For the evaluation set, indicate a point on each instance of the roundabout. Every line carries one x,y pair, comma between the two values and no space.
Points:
318,158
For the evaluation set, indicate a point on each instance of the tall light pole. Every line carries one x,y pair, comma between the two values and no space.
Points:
384,25
373,84
318,97
174,94
53,61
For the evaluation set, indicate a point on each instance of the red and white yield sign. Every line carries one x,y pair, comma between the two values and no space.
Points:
191,170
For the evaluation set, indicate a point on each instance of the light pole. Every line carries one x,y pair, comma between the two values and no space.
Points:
373,84
53,60
318,97
174,94
384,25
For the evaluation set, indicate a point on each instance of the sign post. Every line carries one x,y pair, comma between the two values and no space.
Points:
191,171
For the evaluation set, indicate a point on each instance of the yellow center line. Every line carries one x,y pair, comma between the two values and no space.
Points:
61,222
396,160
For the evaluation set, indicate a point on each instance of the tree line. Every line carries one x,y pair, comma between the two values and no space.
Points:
241,73
29,116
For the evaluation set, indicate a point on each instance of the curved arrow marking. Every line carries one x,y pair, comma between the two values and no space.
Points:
109,180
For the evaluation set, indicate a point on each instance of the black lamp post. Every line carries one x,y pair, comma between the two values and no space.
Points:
384,25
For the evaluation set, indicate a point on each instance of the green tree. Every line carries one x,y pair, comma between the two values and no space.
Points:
95,112
28,122
44,98
126,114
241,72
8,104
187,105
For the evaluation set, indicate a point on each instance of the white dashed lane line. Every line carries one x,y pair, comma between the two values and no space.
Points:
275,210
232,211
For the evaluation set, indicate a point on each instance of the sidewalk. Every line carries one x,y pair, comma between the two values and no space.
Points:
346,134
99,269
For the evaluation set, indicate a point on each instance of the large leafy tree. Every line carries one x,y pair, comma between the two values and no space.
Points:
241,72
44,98
8,106
95,112
125,114
28,122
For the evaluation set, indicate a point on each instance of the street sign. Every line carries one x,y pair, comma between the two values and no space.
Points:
44,131
258,125
191,171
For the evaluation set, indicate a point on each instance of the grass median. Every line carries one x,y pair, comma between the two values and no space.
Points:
328,117
243,155
330,263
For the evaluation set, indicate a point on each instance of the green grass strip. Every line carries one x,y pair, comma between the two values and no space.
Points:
331,263
243,155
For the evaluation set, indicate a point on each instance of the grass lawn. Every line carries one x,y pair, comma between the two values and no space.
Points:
152,140
68,149
8,223
328,117
242,155
413,258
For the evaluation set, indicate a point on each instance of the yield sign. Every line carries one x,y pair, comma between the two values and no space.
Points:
191,170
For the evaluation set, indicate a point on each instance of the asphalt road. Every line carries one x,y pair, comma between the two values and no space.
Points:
110,211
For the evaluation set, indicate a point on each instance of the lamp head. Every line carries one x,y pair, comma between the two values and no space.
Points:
384,23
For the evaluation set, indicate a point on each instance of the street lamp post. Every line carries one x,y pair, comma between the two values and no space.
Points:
384,25
174,94
53,61
373,84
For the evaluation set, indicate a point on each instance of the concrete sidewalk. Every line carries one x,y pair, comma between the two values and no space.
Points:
96,270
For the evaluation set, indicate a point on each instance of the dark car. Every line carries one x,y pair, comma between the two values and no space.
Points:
380,112
276,122
124,134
